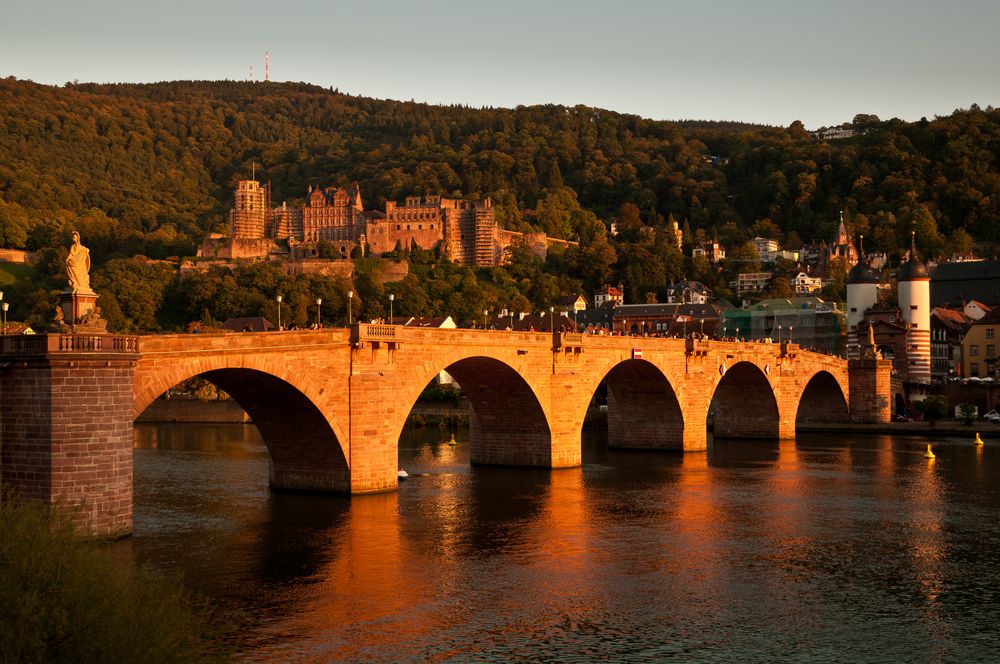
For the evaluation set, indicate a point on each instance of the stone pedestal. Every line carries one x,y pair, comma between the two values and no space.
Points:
80,312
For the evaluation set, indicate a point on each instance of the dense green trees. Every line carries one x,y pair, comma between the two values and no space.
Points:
148,169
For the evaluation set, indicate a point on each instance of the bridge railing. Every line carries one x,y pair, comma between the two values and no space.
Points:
362,332
566,340
44,344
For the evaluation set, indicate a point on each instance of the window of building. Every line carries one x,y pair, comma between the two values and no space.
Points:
398,227
854,310
974,350
974,369
991,350
913,307
990,333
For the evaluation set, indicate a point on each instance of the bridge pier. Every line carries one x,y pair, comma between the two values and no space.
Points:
870,386
66,418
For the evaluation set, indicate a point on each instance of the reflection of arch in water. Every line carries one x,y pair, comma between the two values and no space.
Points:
743,405
822,401
506,421
305,453
643,411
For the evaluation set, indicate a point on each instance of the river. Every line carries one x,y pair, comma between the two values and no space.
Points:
827,548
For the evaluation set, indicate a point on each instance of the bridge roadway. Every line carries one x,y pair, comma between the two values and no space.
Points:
330,405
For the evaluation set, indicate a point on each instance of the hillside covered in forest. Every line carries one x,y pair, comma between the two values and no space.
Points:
148,169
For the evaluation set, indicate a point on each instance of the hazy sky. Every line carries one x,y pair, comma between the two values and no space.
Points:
770,61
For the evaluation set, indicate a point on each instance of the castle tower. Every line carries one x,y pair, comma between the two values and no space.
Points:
250,214
862,294
915,305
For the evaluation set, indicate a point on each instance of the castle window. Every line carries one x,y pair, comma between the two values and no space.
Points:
913,307
432,226
398,227
420,227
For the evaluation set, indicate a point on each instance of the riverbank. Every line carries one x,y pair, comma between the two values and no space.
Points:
456,413
227,411
941,427
181,409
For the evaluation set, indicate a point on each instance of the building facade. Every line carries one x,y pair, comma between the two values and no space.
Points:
948,328
979,347
333,215
466,230
807,321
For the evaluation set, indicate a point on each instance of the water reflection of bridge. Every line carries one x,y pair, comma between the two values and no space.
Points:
330,405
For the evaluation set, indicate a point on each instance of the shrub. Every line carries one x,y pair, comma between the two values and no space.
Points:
933,408
65,599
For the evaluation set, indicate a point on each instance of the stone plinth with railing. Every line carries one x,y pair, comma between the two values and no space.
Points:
66,408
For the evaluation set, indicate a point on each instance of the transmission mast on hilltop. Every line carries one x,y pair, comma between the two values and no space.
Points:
267,66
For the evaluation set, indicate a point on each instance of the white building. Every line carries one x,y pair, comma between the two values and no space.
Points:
803,283
767,248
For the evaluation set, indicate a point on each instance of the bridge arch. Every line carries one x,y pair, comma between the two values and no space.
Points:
744,405
823,401
508,424
306,450
643,410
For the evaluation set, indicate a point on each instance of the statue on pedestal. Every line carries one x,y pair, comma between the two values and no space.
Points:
78,266
78,310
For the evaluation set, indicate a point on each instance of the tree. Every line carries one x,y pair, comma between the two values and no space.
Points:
780,287
864,121
766,228
933,408
138,288
836,287
13,225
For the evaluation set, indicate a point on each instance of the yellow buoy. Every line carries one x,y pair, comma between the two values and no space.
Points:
979,441
929,454
453,441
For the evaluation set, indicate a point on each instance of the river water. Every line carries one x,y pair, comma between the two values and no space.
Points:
827,548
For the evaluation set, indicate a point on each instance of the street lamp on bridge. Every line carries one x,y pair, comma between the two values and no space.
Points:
392,296
552,315
319,303
350,302
279,298
5,306
485,314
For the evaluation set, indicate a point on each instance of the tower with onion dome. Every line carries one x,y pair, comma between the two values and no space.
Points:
862,294
914,284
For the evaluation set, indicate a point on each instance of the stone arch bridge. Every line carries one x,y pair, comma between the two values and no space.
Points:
331,405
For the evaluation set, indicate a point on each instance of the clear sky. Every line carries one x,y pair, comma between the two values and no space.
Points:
769,61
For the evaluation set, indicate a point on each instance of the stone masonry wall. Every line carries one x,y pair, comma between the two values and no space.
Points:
67,437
